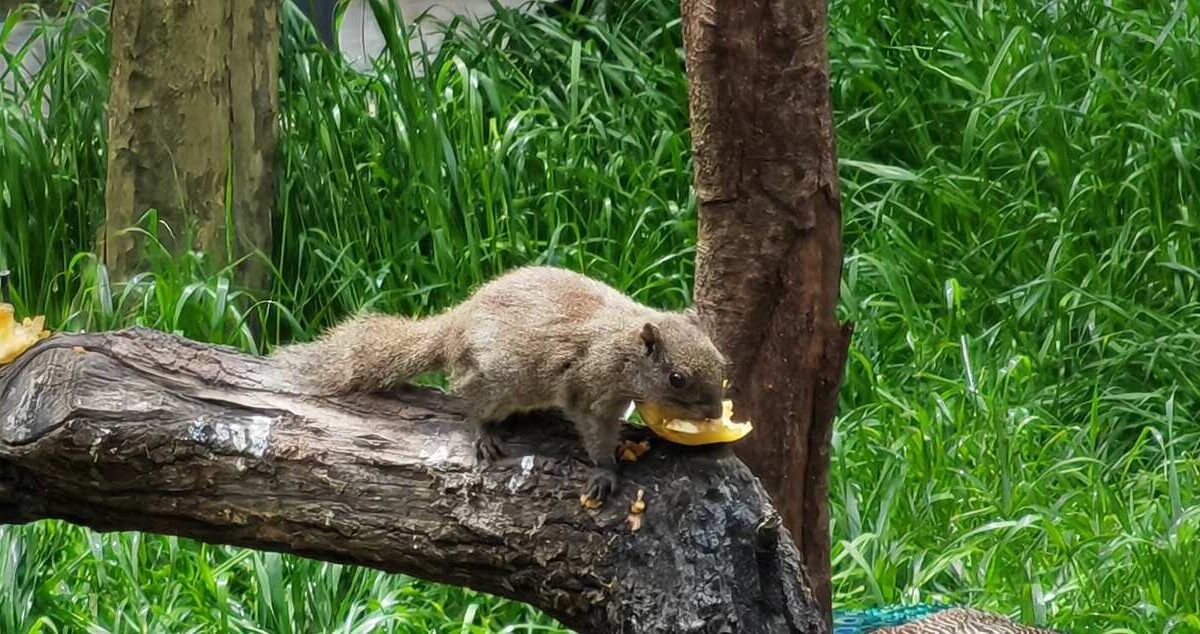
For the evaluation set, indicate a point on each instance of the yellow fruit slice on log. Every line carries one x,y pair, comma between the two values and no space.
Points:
15,337
669,425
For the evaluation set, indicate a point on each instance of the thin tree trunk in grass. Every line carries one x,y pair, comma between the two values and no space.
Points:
192,113
769,257
140,430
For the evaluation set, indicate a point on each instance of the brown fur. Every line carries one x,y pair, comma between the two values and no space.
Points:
534,338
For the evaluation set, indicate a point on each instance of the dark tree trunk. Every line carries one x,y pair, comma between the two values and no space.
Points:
192,114
769,256
139,430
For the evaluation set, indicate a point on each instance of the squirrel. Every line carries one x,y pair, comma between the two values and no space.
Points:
535,338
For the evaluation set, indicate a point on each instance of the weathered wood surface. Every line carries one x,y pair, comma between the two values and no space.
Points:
140,430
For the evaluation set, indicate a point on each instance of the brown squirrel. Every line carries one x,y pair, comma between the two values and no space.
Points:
534,338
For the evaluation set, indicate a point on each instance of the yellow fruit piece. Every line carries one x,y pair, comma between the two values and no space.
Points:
15,337
639,504
630,451
635,522
589,502
669,425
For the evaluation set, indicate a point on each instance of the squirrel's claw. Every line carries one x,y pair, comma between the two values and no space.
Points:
600,484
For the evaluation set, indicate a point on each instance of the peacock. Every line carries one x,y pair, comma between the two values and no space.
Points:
357,36
926,618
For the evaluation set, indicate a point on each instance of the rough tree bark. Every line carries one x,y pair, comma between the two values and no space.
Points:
140,430
192,114
769,257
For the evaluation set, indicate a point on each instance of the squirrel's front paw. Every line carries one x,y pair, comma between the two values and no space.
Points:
601,483
487,445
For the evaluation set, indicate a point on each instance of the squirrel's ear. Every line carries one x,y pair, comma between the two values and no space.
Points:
652,338
698,319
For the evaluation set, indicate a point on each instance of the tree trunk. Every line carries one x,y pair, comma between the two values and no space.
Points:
769,257
140,430
192,110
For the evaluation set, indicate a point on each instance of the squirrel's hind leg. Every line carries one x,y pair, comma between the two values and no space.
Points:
485,412
487,443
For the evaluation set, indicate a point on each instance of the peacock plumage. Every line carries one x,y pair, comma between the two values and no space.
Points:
926,619
359,38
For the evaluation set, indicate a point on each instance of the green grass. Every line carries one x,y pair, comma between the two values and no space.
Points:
1019,424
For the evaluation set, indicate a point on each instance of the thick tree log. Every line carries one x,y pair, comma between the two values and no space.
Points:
140,430
769,255
192,115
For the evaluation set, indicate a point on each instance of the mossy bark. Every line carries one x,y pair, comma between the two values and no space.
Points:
193,110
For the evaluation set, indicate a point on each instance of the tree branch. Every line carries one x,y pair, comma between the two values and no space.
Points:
140,430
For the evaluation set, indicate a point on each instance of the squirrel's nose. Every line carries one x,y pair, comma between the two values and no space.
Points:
714,411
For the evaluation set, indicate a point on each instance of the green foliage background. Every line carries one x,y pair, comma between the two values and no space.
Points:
1018,427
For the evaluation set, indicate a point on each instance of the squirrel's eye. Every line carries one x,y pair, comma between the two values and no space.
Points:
676,380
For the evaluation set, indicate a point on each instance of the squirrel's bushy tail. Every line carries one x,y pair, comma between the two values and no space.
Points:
368,353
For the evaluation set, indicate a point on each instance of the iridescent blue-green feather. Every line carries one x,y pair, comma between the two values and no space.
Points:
858,621
927,619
